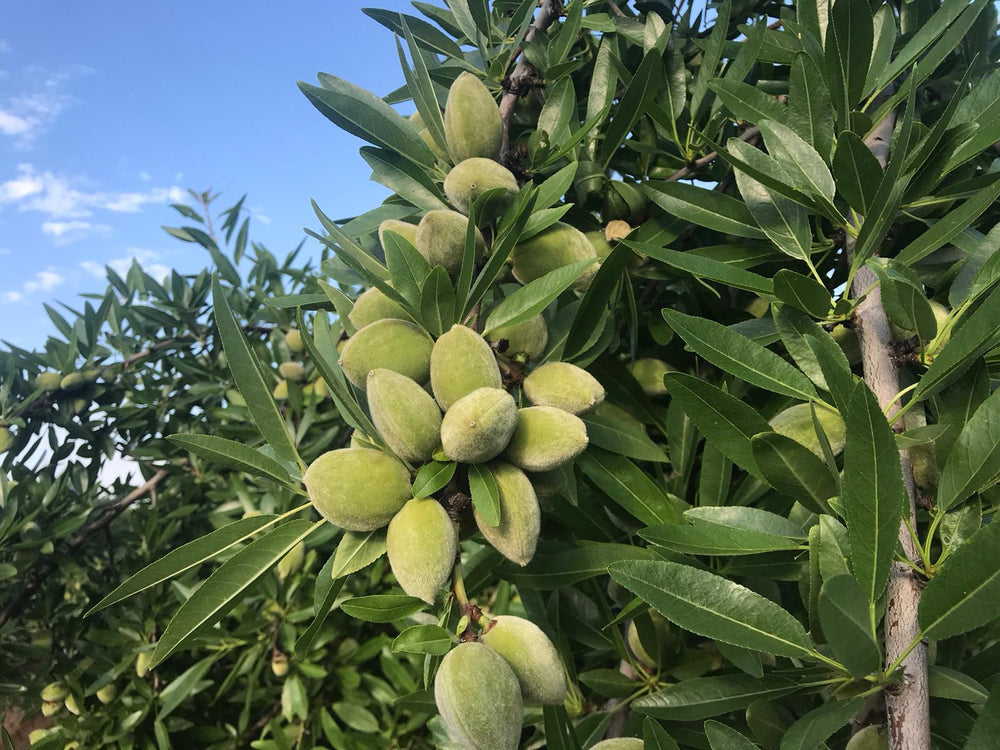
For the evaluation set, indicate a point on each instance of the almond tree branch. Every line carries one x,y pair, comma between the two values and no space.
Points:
518,83
908,704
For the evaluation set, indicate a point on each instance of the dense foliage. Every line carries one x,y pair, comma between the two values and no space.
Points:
743,486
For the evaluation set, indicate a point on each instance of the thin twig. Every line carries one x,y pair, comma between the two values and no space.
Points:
690,169
516,84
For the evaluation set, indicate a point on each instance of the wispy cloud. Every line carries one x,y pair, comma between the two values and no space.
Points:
146,258
40,99
43,281
62,197
64,232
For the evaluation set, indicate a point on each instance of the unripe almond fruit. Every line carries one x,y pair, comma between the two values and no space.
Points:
142,663
564,386
532,656
48,381
6,439
869,738
469,179
280,391
72,381
294,371
421,546
796,423
358,489
516,536
279,664
372,305
107,694
619,743
403,228
479,698
649,373
406,416
461,362
396,345
528,338
54,692
472,125
441,239
478,426
545,438
555,247
294,341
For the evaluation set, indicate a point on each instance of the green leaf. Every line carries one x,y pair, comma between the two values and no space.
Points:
724,420
857,171
750,519
722,737
702,538
382,607
250,381
566,568
591,316
785,223
802,292
974,461
953,685
977,335
704,207
357,550
711,606
903,298
322,605
234,455
846,620
799,159
365,115
221,591
987,727
627,485
810,111
815,727
794,470
432,477
873,494
654,736
409,180
704,697
609,683
702,267
437,302
746,102
186,557
850,36
535,296
739,356
423,639
965,592
618,436
639,94
485,494
184,686
427,36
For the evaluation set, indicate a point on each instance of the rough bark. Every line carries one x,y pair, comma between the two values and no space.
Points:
908,704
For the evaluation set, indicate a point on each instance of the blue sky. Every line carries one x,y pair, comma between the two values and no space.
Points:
109,111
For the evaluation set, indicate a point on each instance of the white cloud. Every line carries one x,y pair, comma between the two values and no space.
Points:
11,124
13,296
65,232
62,197
146,258
44,281
256,214
145,176
42,98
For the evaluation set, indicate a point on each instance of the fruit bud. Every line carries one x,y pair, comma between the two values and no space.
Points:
372,305
796,423
421,547
403,228
469,179
294,341
358,489
54,692
479,698
555,247
50,708
441,239
478,426
619,743
528,338
564,386
532,656
142,663
291,563
406,416
649,373
6,439
396,345
461,362
279,663
472,125
516,536
292,371
280,391
545,438
107,694
48,381
71,705
72,381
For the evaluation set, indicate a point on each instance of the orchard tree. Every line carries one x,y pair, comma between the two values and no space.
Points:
668,364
